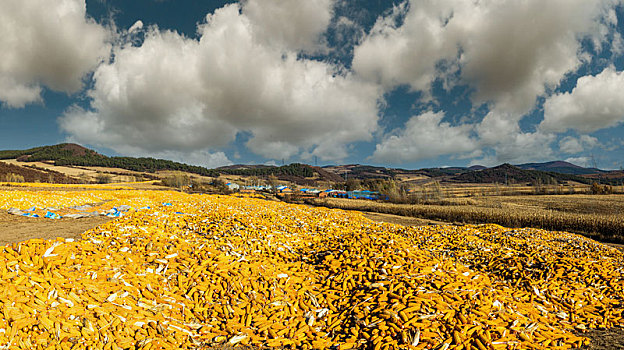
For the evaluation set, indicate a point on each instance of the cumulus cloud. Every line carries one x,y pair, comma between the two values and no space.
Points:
595,103
425,136
520,147
293,24
580,161
571,144
511,60
136,27
508,59
46,43
200,157
406,53
179,94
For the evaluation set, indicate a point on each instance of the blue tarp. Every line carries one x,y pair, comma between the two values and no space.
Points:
51,215
114,213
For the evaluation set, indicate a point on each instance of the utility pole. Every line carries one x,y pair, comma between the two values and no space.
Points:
621,181
595,166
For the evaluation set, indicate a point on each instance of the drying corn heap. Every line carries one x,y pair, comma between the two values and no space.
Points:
195,271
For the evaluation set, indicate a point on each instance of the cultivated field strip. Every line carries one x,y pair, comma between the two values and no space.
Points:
197,271
606,227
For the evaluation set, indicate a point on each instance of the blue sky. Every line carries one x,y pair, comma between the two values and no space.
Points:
405,84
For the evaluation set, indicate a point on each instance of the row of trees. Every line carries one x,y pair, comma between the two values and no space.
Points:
294,169
144,164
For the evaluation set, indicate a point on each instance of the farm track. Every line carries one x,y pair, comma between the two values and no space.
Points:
15,229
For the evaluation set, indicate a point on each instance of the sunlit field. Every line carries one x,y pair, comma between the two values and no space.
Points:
192,271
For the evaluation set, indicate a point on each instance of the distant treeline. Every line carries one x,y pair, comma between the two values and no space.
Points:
71,154
143,164
507,173
38,154
294,169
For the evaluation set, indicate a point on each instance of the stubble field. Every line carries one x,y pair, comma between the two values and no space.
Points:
597,216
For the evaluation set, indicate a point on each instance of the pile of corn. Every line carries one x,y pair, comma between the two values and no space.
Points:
109,186
210,270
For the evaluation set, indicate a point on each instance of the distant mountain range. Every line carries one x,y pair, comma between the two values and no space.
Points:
561,167
548,172
69,154
509,174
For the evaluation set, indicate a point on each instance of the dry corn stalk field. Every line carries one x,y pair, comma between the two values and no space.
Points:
199,272
599,217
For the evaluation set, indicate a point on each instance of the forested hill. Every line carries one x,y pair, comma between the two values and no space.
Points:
507,173
73,154
62,151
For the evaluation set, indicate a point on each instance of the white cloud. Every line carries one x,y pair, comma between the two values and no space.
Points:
520,148
136,27
595,103
203,158
178,94
510,52
580,161
293,24
46,43
511,60
425,136
506,57
397,55
571,144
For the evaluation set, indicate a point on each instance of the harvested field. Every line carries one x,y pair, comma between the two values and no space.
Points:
33,175
197,271
400,220
15,229
599,217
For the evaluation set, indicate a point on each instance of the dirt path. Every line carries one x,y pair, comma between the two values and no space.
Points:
401,220
15,228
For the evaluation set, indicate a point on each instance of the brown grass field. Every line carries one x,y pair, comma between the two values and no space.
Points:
598,217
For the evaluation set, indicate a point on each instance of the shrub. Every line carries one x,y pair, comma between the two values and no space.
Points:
598,189
11,177
177,180
102,178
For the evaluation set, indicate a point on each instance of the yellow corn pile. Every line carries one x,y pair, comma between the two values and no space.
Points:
109,186
212,270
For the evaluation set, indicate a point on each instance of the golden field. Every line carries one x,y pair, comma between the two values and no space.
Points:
596,216
199,271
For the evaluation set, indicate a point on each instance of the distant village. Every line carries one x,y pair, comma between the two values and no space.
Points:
285,191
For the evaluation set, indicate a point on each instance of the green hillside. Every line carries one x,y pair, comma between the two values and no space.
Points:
507,173
72,154
76,155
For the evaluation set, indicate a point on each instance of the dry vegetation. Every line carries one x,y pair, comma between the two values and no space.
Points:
599,217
